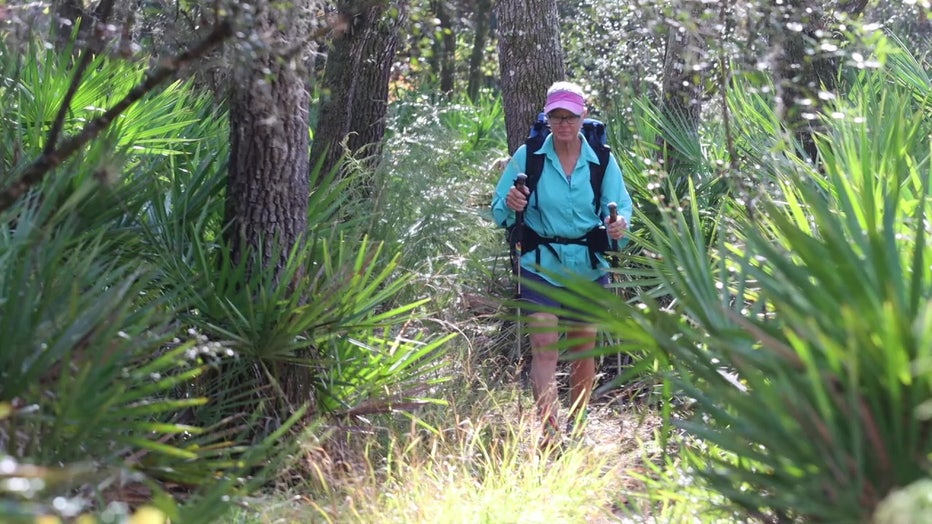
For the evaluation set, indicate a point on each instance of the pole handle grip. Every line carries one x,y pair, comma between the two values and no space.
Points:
520,180
612,218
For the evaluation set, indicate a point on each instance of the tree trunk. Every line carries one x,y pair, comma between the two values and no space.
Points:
802,70
796,75
445,48
354,97
483,16
682,82
267,187
530,60
267,190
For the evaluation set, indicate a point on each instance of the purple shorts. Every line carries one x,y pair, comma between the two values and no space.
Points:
534,296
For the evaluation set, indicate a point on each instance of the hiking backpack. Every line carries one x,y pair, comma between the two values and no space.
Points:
593,130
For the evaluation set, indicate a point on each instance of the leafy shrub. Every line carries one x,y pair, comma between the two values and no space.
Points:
801,331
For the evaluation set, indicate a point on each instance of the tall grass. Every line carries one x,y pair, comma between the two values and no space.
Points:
475,461
439,156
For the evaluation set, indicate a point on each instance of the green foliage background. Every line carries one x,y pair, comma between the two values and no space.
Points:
778,310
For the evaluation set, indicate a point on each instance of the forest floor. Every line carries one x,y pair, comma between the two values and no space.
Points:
625,436
481,463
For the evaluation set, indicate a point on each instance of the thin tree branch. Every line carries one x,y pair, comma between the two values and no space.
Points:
103,11
166,68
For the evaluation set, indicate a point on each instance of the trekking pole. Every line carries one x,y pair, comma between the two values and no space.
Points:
517,236
613,245
612,218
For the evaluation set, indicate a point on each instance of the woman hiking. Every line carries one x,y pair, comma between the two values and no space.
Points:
564,235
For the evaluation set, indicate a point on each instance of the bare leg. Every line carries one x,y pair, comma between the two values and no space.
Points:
582,371
544,356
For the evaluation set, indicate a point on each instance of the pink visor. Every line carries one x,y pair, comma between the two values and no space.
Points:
568,100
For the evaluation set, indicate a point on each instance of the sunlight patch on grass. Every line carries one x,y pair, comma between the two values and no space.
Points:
477,460
482,473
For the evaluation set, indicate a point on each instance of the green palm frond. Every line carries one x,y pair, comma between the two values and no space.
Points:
820,309
90,369
334,309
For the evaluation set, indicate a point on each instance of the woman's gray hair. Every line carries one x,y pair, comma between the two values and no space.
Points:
567,86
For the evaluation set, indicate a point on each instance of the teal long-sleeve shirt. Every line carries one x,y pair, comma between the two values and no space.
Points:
561,206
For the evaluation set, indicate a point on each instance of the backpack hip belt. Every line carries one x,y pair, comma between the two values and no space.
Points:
595,240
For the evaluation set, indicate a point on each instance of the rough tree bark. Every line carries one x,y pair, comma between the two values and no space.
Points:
267,190
355,84
530,59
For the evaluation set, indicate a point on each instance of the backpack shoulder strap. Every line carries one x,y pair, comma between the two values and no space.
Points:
596,175
594,132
